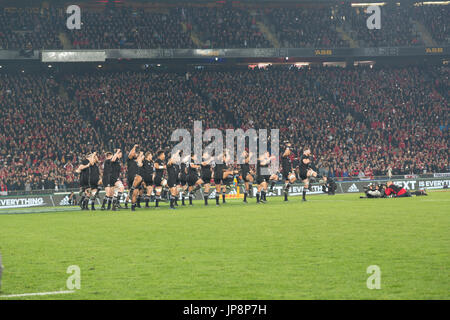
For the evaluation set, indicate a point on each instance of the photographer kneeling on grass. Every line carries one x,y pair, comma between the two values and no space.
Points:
329,186
374,191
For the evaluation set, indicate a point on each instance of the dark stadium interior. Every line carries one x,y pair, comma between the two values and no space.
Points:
361,120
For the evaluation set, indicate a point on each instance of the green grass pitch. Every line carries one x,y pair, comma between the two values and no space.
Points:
314,250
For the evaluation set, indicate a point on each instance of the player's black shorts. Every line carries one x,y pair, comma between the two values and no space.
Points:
261,179
130,181
158,181
244,176
286,174
191,180
217,181
147,179
112,181
228,181
93,184
84,183
303,174
172,182
206,178
182,179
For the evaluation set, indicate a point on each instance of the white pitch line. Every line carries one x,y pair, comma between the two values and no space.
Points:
36,294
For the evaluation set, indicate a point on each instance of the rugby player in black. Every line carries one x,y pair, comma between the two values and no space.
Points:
114,182
83,170
206,175
228,175
131,171
159,181
106,180
94,179
193,180
305,170
183,174
273,177
223,176
218,176
262,179
144,177
172,178
246,175
286,166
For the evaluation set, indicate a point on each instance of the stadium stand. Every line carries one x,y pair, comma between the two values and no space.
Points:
306,27
436,20
220,27
358,121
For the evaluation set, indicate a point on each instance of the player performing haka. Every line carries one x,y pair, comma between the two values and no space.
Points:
83,170
159,181
247,176
193,180
132,170
223,176
287,172
94,179
306,171
206,175
143,178
172,178
183,176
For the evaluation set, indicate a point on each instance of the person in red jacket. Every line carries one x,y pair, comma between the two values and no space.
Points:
396,191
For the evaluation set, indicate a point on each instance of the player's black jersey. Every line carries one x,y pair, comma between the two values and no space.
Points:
159,172
259,165
295,163
84,174
172,171
304,167
245,169
94,173
115,169
192,171
286,163
132,167
218,170
206,169
147,168
183,170
107,168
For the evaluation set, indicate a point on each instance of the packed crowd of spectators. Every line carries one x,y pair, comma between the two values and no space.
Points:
306,27
41,135
355,120
358,121
131,28
437,21
30,29
227,28
396,27
220,27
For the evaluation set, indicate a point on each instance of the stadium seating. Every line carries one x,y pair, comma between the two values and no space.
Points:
309,27
358,121
220,27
